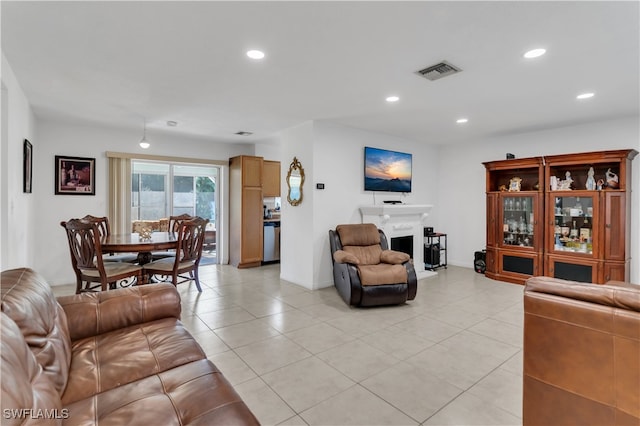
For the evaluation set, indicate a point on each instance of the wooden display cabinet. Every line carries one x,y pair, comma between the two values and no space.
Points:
603,203
514,211
558,216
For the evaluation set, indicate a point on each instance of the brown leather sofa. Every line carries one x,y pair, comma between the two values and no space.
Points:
581,353
109,358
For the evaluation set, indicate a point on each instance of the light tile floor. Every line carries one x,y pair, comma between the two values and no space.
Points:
452,356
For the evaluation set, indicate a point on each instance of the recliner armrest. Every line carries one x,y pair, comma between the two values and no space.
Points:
394,257
342,256
90,314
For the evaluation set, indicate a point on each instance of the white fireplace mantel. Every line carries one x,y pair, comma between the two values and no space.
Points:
400,220
396,209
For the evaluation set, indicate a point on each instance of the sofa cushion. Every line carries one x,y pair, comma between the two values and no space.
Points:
89,314
25,385
382,274
122,356
362,241
191,394
28,300
366,255
360,234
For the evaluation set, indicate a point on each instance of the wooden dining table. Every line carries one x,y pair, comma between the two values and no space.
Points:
127,243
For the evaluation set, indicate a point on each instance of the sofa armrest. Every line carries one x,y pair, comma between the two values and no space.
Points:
619,295
342,256
394,257
624,284
90,314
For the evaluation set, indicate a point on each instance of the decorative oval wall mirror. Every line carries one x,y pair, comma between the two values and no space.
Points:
295,179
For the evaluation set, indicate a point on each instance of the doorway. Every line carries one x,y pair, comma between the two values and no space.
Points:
161,189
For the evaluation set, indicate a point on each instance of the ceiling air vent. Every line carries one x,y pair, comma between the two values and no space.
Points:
438,71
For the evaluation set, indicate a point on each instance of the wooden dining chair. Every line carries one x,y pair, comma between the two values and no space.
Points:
105,230
174,223
101,222
184,265
88,263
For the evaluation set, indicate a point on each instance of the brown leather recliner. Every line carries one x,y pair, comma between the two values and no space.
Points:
581,353
117,357
365,271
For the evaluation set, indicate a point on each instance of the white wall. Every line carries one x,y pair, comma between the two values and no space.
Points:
51,254
334,155
296,231
462,178
271,150
16,208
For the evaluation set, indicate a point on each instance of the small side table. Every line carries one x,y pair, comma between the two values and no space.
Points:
435,251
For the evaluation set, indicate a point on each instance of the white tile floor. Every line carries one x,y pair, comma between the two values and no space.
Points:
452,356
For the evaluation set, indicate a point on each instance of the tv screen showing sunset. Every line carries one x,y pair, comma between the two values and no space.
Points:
386,170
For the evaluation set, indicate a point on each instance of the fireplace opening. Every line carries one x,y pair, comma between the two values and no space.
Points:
403,244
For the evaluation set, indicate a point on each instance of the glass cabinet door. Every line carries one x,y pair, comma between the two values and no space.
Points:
518,221
573,227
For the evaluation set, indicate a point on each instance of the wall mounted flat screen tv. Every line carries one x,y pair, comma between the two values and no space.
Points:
386,170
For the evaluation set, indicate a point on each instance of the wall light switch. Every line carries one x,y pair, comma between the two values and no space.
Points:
319,185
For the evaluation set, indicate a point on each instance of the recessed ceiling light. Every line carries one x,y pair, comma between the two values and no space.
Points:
243,133
535,53
392,99
585,96
172,123
255,54
462,120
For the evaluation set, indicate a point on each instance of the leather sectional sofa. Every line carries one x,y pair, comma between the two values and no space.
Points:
581,353
110,358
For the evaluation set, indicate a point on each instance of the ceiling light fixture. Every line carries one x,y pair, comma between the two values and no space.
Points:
535,53
585,96
462,120
172,123
392,99
255,54
144,144
243,133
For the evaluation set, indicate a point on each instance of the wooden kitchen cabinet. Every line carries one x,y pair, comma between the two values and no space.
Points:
245,211
271,178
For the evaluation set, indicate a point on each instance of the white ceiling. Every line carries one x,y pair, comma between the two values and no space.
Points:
114,63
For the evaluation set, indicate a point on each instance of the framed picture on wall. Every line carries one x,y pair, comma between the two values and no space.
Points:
27,167
75,175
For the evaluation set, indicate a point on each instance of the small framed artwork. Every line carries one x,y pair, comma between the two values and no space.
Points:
27,167
514,184
75,175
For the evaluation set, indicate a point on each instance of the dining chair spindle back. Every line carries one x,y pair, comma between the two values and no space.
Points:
184,266
105,230
87,261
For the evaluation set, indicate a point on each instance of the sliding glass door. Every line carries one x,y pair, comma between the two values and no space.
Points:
160,190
